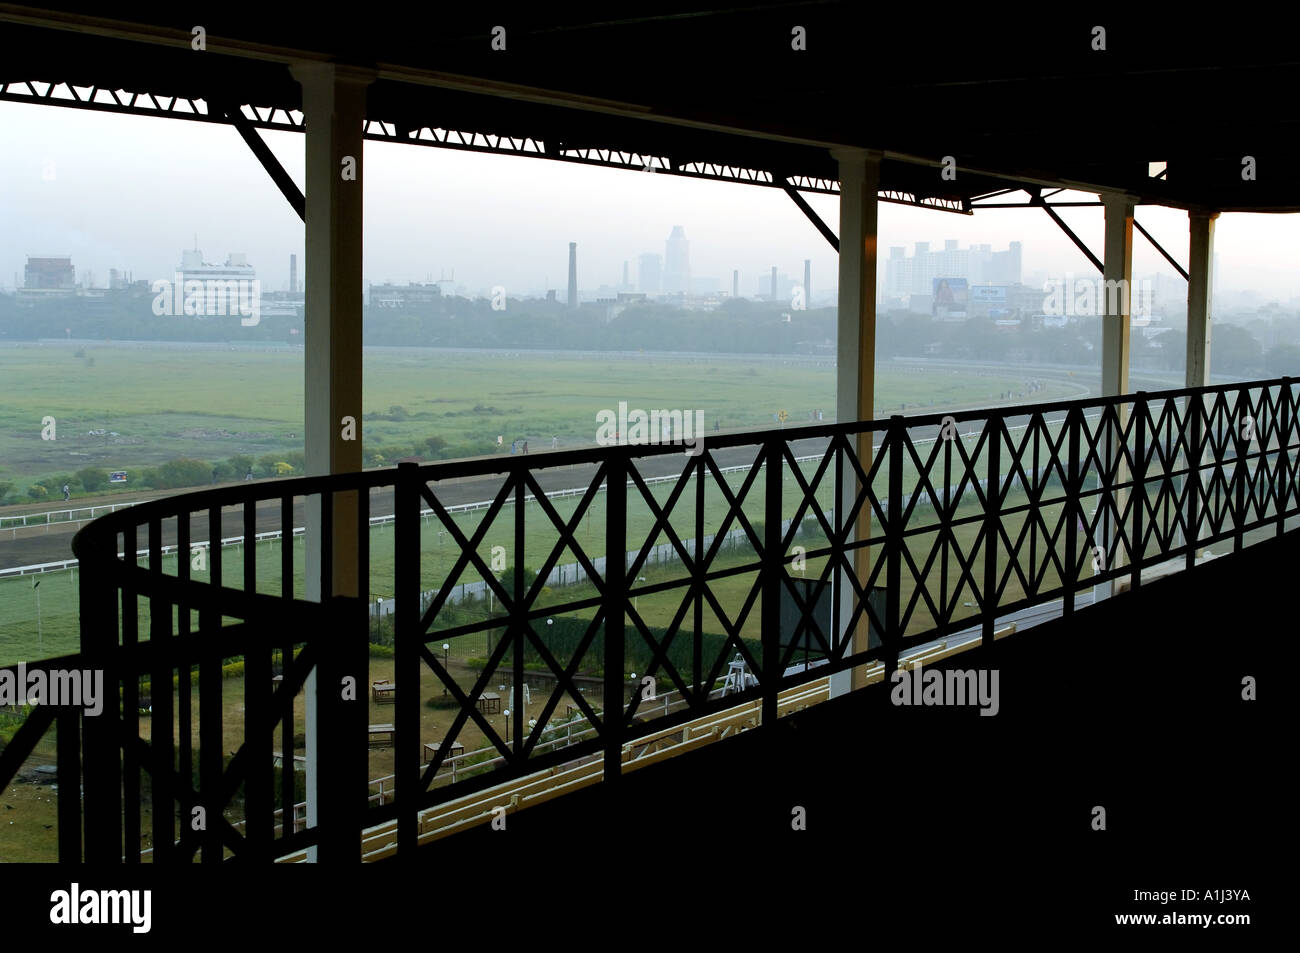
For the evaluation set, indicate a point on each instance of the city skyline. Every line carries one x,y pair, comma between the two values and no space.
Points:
60,197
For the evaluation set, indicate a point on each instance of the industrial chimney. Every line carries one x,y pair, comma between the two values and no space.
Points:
573,274
807,277
774,282
293,274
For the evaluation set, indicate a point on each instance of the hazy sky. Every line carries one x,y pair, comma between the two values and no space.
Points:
128,192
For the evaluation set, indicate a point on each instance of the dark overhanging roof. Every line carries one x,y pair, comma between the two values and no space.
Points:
1022,101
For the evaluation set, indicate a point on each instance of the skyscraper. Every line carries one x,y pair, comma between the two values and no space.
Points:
648,274
677,262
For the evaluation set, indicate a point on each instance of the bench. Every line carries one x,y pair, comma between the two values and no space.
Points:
383,691
430,750
381,734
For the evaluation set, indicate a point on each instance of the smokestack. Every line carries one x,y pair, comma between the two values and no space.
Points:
293,273
573,274
807,278
774,282
735,283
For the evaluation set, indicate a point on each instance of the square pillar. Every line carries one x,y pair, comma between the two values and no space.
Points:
334,100
1117,283
1200,304
855,383
1200,271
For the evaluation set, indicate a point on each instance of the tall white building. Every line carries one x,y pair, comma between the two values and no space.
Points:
649,274
677,263
979,265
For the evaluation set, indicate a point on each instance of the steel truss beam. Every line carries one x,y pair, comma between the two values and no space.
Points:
1035,198
813,217
1168,257
278,118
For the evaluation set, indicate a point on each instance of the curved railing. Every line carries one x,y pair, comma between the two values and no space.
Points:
849,544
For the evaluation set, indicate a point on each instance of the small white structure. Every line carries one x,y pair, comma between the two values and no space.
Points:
738,677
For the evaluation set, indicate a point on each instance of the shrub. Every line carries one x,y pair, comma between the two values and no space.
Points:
183,472
37,492
91,478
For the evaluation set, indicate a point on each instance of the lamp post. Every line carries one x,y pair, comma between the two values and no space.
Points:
446,658
506,714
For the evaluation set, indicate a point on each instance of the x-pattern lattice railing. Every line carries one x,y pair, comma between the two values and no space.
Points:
880,535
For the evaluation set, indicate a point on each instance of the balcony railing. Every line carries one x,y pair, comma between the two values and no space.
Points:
713,577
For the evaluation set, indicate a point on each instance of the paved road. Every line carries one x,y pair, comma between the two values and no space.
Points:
40,546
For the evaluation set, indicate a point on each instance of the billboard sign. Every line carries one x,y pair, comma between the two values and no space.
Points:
950,297
989,294
117,476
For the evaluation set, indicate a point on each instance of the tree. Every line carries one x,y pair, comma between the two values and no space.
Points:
266,463
184,472
37,492
435,445
1283,360
92,479
1234,350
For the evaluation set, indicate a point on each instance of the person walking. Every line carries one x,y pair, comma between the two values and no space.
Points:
249,475
525,447
555,442
67,493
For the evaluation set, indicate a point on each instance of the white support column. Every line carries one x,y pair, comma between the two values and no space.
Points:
855,382
1117,274
1200,271
1200,306
334,99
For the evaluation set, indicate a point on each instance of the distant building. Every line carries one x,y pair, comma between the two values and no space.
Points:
410,295
235,268
649,274
978,264
49,276
677,263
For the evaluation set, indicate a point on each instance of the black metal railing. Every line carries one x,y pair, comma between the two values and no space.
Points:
903,530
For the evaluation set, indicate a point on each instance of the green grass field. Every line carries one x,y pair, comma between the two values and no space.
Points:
210,403
167,401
